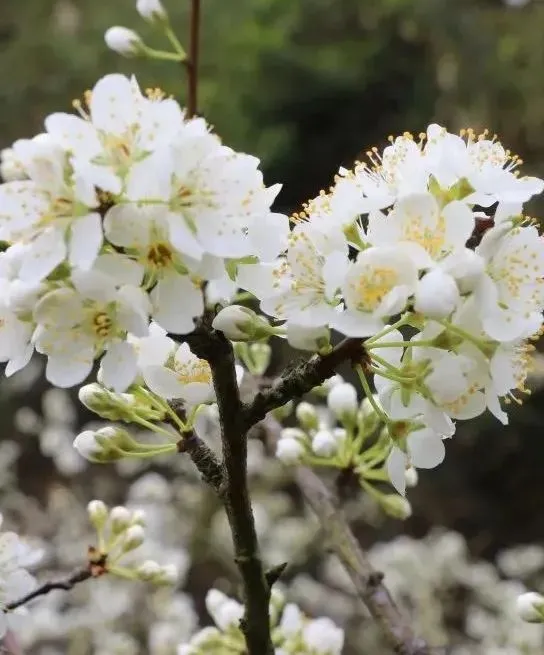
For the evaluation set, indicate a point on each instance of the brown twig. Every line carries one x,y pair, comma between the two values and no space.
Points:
301,379
368,582
192,61
233,488
77,576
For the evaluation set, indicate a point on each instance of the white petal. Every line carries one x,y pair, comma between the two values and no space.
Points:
119,366
67,372
356,324
47,251
85,240
396,469
62,308
426,449
74,134
197,393
120,268
182,238
129,226
163,381
268,235
113,104
177,302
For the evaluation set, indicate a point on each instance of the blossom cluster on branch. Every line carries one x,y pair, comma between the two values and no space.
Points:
136,244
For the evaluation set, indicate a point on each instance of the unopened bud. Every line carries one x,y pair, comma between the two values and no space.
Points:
308,338
138,517
411,476
124,41
307,416
98,446
152,11
148,570
289,451
436,295
120,518
134,537
324,443
396,506
169,575
342,401
98,513
241,324
530,607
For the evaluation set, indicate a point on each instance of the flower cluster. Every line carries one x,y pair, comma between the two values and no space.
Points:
292,632
120,531
15,581
426,254
361,444
122,214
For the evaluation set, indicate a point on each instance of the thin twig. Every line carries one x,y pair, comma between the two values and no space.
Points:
301,379
367,581
234,491
77,576
192,61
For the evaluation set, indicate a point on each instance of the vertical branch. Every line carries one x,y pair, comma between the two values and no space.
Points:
191,63
232,488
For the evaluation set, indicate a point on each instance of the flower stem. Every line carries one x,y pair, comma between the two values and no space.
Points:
366,388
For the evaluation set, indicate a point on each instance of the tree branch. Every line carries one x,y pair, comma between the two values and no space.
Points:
301,379
204,459
367,581
77,576
235,494
191,63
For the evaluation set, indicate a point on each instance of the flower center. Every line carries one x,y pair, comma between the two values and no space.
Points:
430,238
370,288
102,324
196,371
159,255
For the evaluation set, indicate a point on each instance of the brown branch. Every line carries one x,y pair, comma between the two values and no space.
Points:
367,581
301,379
77,576
234,490
192,61
204,459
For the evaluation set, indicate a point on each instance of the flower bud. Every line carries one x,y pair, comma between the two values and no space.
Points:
396,506
323,635
98,513
241,324
152,11
138,517
307,416
289,451
134,537
308,338
342,401
411,476
229,613
530,607
120,518
124,41
324,443
214,600
169,575
261,354
148,570
436,295
97,447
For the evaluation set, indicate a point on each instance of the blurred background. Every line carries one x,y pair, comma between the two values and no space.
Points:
307,86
